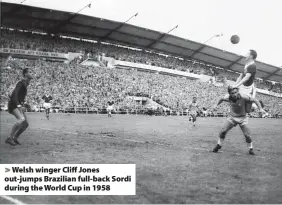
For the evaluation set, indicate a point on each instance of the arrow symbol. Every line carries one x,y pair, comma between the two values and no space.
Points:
7,169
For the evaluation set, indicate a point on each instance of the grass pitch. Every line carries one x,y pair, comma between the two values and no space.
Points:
173,159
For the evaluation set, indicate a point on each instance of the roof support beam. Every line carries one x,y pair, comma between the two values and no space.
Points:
267,77
117,28
197,51
161,37
204,44
233,63
56,28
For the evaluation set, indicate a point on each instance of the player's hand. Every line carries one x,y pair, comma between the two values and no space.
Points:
23,109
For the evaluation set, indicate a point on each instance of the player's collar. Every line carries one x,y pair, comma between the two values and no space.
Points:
24,82
251,62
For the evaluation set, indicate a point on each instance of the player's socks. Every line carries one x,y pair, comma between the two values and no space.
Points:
250,145
15,128
217,148
23,127
219,142
10,139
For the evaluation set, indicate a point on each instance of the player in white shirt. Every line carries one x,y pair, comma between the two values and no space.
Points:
110,108
193,108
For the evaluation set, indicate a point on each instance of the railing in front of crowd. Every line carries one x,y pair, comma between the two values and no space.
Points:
139,111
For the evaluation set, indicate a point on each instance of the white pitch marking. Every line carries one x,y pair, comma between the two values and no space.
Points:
13,200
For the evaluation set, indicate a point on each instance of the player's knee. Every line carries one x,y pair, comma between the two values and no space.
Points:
21,120
26,123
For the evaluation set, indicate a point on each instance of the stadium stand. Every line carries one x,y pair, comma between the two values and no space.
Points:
84,86
74,85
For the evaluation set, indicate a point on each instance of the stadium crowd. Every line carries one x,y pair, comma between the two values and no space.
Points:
93,87
74,85
30,40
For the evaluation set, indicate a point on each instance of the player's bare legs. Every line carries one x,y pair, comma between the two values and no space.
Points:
17,127
225,129
247,133
21,130
251,107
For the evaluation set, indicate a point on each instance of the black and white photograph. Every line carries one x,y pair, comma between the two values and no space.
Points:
141,102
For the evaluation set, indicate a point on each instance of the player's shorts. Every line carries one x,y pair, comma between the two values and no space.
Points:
47,105
11,106
193,113
238,120
248,90
110,108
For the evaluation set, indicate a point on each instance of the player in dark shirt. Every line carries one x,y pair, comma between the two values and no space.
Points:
15,107
245,81
248,76
47,104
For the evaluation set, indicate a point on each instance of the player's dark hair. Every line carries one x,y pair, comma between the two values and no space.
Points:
254,54
25,71
230,88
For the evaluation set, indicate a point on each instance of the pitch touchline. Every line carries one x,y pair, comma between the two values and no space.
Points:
138,141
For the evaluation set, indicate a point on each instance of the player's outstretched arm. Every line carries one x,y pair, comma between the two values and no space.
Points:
239,78
221,100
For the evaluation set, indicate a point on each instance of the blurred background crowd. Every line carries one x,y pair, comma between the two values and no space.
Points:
75,85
